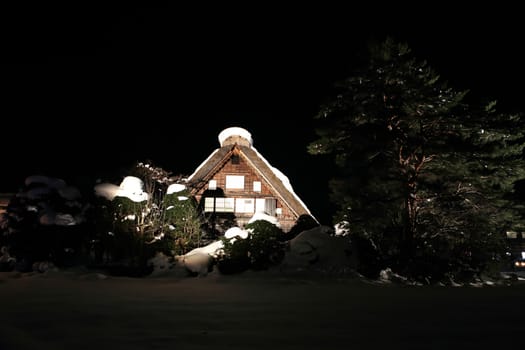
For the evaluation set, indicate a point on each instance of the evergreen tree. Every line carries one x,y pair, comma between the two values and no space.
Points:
414,161
182,223
163,219
259,251
500,146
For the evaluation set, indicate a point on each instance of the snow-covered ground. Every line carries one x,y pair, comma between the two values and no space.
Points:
254,310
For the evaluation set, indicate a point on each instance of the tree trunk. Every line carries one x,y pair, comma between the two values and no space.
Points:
409,224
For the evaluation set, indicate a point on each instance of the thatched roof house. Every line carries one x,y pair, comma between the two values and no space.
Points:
236,179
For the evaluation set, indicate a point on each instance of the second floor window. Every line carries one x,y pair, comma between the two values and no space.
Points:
234,182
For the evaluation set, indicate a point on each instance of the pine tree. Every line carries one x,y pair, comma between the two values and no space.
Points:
414,159
164,220
182,223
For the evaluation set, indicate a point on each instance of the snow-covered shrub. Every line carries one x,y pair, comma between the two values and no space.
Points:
45,221
182,223
260,250
265,246
147,213
198,264
235,257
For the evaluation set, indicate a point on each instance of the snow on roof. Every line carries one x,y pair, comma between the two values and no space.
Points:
284,179
240,132
202,164
235,131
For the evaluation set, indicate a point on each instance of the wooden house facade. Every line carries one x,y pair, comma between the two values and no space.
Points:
237,180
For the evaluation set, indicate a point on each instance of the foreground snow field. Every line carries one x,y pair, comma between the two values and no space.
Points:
61,310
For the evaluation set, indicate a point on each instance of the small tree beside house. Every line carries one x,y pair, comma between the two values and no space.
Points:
142,217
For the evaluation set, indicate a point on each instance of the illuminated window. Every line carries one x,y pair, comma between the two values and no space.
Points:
219,205
266,205
224,205
257,186
270,206
234,182
212,185
208,204
244,205
260,204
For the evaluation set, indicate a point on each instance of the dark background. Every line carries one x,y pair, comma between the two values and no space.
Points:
89,90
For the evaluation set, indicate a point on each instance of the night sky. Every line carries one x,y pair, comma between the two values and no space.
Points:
87,91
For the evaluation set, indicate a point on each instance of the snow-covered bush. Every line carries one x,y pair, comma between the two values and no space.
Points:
148,212
260,250
45,221
182,223
236,257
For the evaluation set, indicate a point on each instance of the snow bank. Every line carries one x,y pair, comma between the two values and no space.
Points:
318,249
212,249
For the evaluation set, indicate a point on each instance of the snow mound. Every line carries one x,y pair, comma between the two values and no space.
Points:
319,250
212,249
198,263
388,276
164,265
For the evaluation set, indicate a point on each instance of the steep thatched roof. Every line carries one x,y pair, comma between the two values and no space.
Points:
277,182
